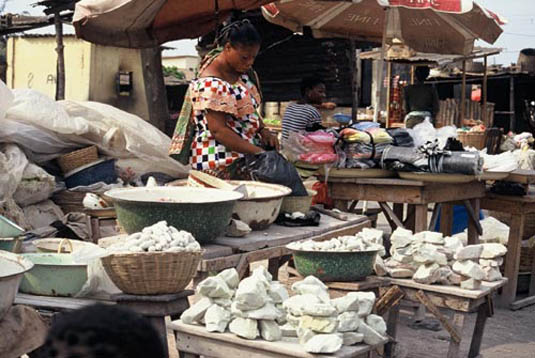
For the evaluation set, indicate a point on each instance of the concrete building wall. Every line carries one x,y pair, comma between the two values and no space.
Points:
31,63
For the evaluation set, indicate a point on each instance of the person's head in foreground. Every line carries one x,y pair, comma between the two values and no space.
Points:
313,90
102,331
241,43
421,73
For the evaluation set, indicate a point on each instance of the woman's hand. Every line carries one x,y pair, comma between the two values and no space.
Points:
269,139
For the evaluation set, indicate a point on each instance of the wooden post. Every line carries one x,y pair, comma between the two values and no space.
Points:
354,79
379,79
151,61
388,89
512,120
412,74
60,69
484,90
463,95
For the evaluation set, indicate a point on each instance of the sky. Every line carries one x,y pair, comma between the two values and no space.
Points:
519,33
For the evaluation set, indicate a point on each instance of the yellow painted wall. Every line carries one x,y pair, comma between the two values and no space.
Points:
31,63
90,71
106,62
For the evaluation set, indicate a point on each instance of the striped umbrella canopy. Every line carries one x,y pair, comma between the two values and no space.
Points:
429,26
148,23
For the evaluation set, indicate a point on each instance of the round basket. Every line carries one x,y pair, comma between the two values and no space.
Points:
291,204
78,158
473,139
152,273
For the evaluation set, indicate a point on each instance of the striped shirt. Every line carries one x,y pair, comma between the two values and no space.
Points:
297,117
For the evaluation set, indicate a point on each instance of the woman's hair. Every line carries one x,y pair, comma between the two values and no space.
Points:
102,331
239,33
421,73
310,82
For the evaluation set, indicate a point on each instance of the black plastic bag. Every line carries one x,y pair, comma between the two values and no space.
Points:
271,167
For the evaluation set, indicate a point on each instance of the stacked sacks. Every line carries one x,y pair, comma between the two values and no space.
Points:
248,308
324,325
428,257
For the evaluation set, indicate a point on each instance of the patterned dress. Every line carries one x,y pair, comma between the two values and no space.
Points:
239,102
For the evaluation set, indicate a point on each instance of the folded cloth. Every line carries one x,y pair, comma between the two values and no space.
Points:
401,137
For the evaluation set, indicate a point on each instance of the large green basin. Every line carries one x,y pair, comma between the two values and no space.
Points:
53,275
203,212
335,265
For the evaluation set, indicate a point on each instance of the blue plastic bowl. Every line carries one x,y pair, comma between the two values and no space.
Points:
342,118
100,171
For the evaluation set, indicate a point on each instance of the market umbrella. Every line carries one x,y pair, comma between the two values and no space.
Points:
148,23
444,27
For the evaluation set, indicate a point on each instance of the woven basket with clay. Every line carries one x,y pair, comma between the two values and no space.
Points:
152,273
78,158
473,139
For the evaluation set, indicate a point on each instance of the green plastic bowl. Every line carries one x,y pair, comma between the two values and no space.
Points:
53,275
335,266
203,212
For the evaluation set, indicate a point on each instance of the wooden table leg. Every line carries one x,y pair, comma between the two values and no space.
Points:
391,216
479,329
434,217
410,220
398,210
420,216
532,279
391,330
273,267
446,219
159,324
512,260
458,322
474,227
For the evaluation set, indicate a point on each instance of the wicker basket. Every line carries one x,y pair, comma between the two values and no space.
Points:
473,139
78,158
526,258
152,273
529,222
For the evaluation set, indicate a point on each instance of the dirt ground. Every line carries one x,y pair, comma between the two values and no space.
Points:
508,334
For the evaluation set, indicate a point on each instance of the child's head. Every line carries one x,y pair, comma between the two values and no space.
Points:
102,331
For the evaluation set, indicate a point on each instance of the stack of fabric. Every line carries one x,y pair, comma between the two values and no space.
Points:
363,148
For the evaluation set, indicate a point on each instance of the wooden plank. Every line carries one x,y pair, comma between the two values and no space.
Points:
391,330
56,303
370,283
376,181
434,217
391,215
458,322
331,213
223,345
486,288
420,217
474,226
443,193
522,176
212,251
532,278
455,335
512,259
384,193
391,298
277,235
522,303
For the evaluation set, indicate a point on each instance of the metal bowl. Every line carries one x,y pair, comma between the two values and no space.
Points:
203,212
262,205
12,269
53,275
335,265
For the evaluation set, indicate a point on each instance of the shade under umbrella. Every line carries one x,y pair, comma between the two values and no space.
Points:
446,27
148,23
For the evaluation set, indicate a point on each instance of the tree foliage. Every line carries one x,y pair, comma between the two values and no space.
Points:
174,72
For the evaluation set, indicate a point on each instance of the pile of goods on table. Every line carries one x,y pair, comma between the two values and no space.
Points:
428,257
260,307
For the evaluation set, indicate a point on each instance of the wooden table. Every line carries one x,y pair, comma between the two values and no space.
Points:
459,301
196,341
270,244
518,207
155,308
417,194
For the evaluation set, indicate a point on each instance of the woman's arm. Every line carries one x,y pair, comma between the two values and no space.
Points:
226,136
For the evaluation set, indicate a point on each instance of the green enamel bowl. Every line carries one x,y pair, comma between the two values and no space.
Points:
204,212
335,265
53,275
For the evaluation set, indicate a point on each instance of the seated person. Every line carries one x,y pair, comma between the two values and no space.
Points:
420,100
102,331
304,114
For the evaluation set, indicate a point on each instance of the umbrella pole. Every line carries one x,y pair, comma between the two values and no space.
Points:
60,65
463,95
485,83
380,75
354,79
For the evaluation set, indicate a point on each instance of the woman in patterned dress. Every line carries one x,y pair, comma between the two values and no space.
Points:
225,104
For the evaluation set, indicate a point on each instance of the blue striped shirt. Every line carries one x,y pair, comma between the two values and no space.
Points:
297,117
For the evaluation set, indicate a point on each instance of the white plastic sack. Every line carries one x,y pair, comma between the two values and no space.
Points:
12,164
98,282
42,214
35,186
425,132
525,158
13,212
6,99
503,163
494,231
